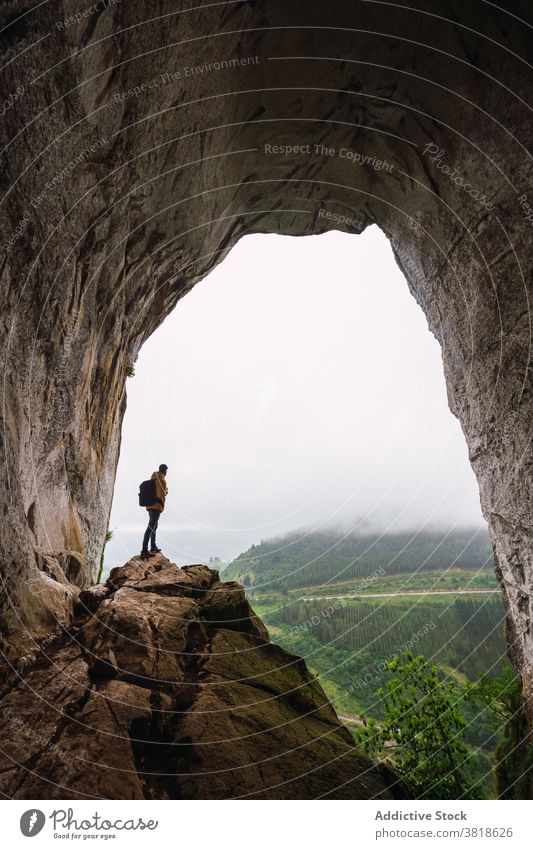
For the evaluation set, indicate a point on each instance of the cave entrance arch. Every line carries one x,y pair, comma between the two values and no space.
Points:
414,119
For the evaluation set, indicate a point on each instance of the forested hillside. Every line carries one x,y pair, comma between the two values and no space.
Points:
350,603
306,559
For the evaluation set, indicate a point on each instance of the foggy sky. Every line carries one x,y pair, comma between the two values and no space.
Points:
297,385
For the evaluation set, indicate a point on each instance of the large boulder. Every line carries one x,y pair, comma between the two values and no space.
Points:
166,687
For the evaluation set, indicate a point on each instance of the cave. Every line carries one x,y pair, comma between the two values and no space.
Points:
137,149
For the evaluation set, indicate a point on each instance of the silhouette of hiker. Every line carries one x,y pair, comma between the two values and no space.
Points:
154,512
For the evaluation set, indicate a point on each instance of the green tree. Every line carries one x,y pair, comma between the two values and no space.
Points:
501,696
422,731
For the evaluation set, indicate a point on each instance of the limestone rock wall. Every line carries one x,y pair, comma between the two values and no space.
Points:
138,147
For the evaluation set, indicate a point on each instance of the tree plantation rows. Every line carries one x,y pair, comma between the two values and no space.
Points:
463,633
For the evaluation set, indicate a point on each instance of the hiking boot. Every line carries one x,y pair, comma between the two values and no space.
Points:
146,555
155,551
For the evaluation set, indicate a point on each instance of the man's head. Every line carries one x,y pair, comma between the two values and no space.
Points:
163,468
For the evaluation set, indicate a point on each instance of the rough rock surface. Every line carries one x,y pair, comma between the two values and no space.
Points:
127,174
166,686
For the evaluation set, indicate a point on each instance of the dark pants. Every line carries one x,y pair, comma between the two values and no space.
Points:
149,534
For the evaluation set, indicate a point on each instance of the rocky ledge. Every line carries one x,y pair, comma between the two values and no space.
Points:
166,686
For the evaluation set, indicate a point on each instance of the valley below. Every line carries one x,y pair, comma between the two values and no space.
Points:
371,607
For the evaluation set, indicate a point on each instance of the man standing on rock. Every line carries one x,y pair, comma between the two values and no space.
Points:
154,512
